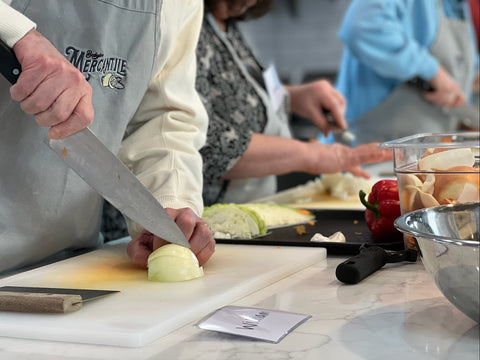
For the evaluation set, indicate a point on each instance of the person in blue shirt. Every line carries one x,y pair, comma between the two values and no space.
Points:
390,42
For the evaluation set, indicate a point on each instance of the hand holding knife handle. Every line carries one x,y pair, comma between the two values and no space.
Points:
420,84
341,135
9,66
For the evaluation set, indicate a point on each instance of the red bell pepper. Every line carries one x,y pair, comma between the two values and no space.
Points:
382,208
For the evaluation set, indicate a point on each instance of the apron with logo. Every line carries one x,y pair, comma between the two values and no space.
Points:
45,207
405,111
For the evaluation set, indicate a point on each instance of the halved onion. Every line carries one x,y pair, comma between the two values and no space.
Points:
173,263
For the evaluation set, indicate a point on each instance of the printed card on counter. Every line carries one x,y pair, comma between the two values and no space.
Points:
262,324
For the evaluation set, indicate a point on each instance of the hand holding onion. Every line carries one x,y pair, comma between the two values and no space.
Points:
196,231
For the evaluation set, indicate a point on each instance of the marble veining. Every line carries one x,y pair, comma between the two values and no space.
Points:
396,313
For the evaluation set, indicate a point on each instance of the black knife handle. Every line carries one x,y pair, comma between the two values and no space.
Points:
9,66
357,268
420,84
329,116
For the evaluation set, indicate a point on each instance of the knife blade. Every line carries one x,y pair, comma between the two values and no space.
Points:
46,300
103,171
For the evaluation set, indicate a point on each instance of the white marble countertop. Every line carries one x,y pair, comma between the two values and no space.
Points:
396,313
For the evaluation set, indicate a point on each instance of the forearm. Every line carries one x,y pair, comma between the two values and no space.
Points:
274,155
269,155
13,25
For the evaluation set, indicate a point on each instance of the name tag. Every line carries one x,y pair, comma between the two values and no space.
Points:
275,89
256,323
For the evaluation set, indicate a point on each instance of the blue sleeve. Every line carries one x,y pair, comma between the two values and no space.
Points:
379,34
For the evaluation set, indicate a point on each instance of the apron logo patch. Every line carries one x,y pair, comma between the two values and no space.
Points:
112,70
112,81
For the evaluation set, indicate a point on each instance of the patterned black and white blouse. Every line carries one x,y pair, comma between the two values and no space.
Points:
235,109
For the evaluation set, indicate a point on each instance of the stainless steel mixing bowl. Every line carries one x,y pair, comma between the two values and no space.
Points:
449,242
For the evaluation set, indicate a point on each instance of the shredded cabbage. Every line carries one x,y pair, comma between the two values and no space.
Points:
247,221
278,215
233,221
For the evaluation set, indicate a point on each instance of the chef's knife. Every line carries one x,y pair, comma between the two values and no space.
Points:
103,171
46,300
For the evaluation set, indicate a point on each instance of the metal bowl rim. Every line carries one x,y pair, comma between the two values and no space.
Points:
401,224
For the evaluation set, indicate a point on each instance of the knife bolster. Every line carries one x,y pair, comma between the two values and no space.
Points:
39,302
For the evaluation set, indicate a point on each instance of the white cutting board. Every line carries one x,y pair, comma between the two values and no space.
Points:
143,311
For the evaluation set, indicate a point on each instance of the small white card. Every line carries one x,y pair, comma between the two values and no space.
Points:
274,86
256,323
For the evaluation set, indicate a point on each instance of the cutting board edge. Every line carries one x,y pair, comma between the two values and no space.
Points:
135,339
236,297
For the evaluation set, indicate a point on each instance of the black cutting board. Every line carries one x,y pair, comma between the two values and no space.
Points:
350,222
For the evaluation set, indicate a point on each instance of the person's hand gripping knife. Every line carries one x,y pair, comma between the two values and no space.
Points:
194,228
58,95
320,102
51,88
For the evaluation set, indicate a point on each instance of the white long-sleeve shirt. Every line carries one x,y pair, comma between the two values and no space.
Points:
13,25
169,165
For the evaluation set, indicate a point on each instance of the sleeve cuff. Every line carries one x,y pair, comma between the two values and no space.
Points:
429,68
13,25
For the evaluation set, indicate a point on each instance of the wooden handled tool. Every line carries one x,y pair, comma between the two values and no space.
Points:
46,300
39,303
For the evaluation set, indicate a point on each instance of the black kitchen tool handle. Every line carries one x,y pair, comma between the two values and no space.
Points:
420,84
9,66
362,265
328,115
405,255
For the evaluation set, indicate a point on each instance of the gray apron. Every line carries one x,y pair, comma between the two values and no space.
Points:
405,112
245,190
45,208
